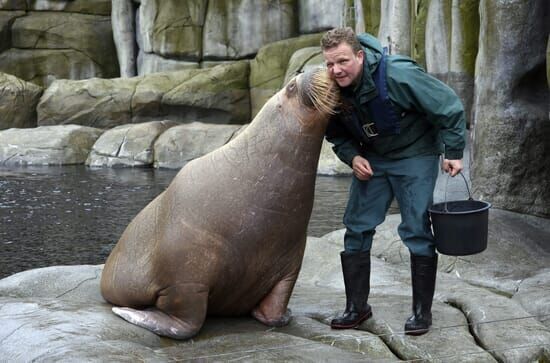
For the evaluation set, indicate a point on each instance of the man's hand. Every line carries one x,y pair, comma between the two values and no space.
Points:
453,167
361,168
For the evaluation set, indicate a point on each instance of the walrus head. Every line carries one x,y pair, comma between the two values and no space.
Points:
319,91
314,93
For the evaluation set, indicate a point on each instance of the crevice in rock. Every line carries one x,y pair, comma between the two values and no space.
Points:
471,330
493,290
78,285
13,332
131,103
384,337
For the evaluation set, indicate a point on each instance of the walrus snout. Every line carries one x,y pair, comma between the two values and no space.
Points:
319,91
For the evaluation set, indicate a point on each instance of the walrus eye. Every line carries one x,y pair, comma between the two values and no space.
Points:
291,87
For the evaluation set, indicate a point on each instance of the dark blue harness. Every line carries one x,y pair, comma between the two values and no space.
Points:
384,115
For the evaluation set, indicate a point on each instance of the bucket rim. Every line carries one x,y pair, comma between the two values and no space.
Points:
486,207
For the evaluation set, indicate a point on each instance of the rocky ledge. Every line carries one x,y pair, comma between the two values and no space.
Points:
488,307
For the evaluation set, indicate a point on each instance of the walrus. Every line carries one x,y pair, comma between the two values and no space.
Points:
227,236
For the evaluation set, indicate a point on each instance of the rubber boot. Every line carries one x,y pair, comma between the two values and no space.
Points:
356,270
423,273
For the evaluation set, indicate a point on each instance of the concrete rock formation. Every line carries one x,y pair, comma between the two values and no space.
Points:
217,95
18,100
47,145
511,127
127,145
49,40
491,52
58,313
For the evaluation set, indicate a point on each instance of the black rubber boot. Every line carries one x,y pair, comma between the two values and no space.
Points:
356,269
423,273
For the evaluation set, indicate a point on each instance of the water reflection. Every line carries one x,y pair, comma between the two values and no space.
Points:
74,215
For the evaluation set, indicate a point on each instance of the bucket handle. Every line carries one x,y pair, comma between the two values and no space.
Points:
447,183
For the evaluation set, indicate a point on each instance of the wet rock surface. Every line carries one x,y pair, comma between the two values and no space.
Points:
127,145
47,145
58,312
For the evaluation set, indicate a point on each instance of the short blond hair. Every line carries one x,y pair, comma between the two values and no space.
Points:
337,36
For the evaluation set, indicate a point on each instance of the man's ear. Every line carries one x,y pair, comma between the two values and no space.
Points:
360,55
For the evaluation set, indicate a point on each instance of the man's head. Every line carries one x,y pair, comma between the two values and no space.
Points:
343,55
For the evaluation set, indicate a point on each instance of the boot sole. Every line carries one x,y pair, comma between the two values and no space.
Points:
417,332
354,324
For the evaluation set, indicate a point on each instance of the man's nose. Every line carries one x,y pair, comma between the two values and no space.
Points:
336,69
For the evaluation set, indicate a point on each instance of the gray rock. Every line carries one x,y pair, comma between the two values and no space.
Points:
218,95
329,164
97,7
210,64
44,66
89,34
47,145
172,28
532,294
18,101
6,21
181,144
319,15
213,95
101,103
236,29
464,45
438,47
57,313
127,145
123,15
13,4
57,282
511,127
500,324
151,63
395,26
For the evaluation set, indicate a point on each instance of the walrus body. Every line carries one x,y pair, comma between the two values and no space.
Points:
227,236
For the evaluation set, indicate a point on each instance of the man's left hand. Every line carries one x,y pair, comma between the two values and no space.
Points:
453,167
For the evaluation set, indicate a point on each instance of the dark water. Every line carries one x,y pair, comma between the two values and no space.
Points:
74,215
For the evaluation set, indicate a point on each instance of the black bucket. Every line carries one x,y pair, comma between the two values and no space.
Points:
460,227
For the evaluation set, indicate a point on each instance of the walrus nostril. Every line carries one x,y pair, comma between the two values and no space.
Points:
320,92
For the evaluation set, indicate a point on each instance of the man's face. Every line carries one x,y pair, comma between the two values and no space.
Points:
344,66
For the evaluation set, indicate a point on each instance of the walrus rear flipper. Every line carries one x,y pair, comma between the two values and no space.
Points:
179,313
272,310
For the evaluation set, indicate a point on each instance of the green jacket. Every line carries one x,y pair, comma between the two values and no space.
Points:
431,115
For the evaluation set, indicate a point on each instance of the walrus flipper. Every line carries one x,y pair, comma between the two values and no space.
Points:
176,317
272,310
156,321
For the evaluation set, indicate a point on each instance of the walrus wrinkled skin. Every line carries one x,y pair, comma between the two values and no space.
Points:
227,236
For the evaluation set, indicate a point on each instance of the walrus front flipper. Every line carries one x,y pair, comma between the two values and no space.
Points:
179,313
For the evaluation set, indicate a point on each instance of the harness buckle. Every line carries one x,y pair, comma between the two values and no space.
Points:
370,129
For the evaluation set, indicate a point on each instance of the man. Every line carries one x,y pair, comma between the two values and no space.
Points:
395,122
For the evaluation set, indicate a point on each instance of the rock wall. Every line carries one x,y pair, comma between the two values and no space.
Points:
395,26
511,131
502,45
43,40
